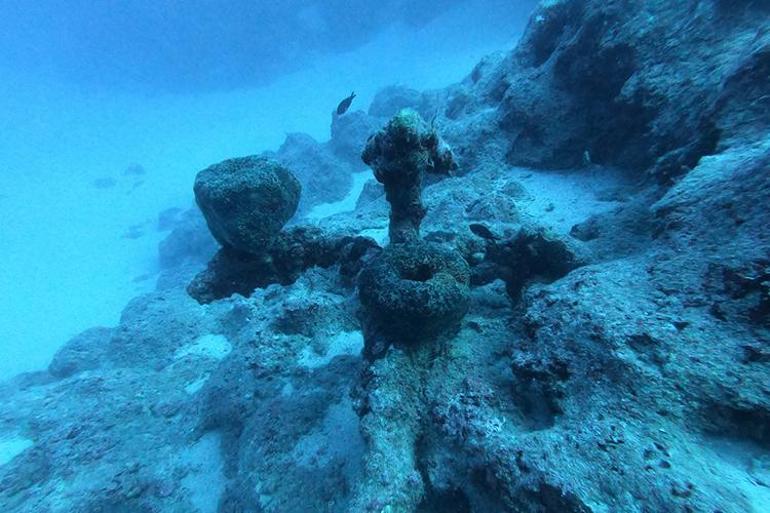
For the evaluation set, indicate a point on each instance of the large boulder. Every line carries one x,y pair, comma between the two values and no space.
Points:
246,201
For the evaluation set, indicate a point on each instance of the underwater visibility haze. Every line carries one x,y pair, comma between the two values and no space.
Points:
458,256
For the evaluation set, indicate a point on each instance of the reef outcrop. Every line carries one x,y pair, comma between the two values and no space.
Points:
400,155
649,87
246,201
325,176
413,292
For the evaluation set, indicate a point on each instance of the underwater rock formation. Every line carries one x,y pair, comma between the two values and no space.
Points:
618,99
326,169
611,83
83,352
290,254
628,374
325,177
393,99
189,241
350,133
529,255
414,292
246,201
400,154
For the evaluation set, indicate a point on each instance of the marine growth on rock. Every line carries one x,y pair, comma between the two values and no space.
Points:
246,201
400,155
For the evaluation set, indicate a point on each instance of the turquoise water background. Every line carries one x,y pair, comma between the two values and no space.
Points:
91,89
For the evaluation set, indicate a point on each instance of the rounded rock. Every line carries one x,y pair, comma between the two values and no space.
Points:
415,291
247,201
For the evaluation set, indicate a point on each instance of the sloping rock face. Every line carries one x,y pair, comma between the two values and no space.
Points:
646,86
161,412
636,84
614,357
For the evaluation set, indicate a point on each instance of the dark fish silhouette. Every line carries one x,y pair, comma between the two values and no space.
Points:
483,232
344,105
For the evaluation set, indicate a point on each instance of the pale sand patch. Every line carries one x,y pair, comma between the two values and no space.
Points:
206,479
12,446
207,346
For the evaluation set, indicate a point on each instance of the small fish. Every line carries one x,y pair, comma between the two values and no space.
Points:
344,105
483,232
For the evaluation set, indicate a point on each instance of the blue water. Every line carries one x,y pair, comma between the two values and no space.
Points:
90,89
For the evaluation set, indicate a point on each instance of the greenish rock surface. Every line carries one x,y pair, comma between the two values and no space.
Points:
400,155
246,201
415,291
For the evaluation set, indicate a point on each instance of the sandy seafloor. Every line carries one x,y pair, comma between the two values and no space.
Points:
75,252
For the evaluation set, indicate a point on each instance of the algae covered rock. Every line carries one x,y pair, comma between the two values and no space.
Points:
415,291
400,154
292,252
246,201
